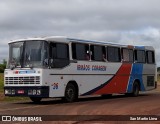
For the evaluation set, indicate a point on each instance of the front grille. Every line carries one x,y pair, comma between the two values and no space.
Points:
22,80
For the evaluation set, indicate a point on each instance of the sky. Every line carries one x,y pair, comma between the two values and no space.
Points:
133,22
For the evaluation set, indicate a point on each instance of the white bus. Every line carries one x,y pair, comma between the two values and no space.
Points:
68,68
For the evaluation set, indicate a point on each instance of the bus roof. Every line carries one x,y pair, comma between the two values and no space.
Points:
51,38
66,39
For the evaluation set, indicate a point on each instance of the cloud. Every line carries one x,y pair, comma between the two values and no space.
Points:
148,37
124,21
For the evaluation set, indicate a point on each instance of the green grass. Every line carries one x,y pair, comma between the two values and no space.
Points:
1,82
12,99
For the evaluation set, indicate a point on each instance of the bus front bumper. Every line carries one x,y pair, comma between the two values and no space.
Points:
27,91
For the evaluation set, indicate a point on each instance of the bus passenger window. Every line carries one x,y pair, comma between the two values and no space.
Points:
59,55
127,55
113,54
87,55
80,51
98,53
150,57
140,56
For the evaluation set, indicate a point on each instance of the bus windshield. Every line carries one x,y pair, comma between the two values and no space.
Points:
28,54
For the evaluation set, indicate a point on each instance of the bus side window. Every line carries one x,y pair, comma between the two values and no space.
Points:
59,55
127,55
80,51
150,57
113,54
140,56
98,53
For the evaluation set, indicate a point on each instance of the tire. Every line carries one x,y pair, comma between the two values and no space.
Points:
70,93
136,88
36,99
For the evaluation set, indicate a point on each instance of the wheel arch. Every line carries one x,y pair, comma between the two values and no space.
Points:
139,83
75,85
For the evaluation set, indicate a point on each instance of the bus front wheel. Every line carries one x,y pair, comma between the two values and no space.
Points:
70,93
36,99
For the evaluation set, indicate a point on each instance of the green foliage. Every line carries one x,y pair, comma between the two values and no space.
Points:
1,82
3,66
158,69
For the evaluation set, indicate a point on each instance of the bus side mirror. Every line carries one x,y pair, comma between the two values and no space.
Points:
50,64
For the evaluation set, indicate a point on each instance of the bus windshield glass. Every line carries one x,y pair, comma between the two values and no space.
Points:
28,54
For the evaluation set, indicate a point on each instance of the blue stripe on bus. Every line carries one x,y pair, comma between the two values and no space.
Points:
136,73
140,47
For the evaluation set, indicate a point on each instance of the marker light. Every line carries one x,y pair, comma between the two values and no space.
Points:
38,92
13,92
34,92
7,91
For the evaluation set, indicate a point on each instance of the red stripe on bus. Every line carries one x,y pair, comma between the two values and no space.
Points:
119,83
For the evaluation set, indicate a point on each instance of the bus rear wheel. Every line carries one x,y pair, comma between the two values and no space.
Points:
136,88
70,93
36,99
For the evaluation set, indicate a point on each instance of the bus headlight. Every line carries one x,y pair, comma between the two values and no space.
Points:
13,92
30,92
7,91
34,92
38,92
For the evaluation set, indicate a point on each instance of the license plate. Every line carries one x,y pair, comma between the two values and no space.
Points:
20,91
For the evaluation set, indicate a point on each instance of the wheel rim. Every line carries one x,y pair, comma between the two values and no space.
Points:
136,90
70,93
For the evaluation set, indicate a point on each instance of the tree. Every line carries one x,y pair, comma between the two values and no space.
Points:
4,62
3,66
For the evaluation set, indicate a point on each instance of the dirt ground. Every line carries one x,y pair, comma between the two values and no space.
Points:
147,103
